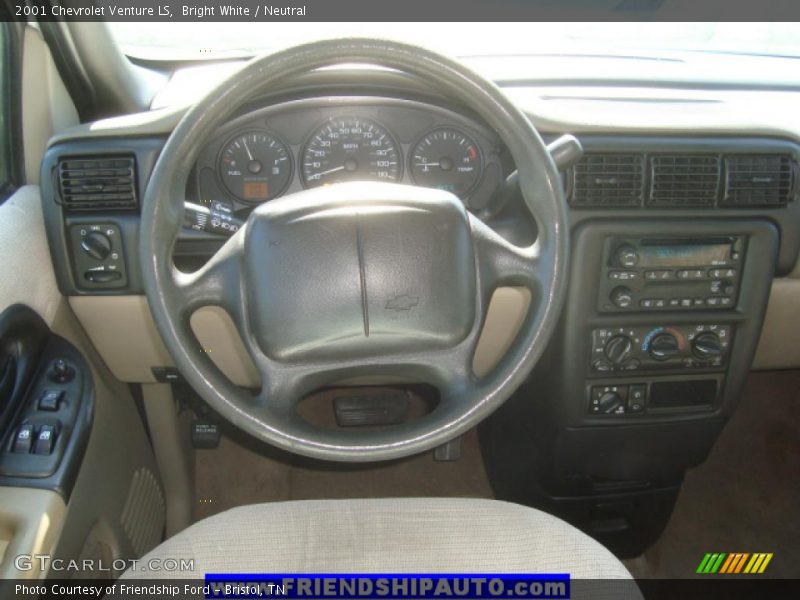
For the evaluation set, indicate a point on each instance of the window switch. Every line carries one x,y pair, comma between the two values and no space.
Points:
50,399
23,439
45,440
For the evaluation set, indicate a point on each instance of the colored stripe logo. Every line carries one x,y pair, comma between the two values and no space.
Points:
734,563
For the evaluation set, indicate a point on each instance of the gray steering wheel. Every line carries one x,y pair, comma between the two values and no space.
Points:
357,279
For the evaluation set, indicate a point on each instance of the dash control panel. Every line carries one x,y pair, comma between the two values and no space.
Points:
649,348
97,256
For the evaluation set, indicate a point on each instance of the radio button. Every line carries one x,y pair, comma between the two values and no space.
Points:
713,301
659,274
718,273
674,301
622,275
686,302
646,303
691,274
725,301
699,301
659,302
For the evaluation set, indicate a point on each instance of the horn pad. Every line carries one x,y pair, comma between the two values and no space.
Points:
357,270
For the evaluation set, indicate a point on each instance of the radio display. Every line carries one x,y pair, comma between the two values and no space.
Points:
684,255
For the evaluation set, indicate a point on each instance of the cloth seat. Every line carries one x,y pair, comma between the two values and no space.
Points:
402,535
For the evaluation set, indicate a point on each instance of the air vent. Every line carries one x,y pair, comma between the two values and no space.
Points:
758,180
95,183
686,180
608,180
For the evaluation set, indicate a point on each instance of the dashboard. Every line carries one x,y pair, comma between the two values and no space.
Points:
273,151
684,215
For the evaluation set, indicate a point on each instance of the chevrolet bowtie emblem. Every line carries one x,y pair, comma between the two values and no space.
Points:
404,302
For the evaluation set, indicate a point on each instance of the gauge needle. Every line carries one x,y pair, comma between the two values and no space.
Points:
318,175
428,164
249,155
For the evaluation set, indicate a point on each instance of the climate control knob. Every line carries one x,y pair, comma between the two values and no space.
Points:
622,297
707,345
618,349
626,256
96,244
664,346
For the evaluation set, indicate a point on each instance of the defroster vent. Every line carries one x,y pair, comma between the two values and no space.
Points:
98,183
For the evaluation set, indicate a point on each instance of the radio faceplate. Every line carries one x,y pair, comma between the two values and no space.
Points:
671,273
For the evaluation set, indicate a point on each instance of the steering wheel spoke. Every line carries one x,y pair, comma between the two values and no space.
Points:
502,263
217,283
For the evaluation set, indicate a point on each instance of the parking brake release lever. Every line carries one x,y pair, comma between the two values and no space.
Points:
216,219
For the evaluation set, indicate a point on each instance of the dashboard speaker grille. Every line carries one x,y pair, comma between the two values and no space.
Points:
608,180
758,179
684,180
98,183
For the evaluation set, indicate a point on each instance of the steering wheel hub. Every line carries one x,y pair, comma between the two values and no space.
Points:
357,270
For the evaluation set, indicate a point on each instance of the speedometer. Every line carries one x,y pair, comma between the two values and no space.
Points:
351,149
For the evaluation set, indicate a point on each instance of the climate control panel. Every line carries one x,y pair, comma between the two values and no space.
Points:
661,347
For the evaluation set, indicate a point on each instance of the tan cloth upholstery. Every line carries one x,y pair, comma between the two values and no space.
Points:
388,535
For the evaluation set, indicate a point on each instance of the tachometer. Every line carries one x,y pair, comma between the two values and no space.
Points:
255,166
351,149
447,159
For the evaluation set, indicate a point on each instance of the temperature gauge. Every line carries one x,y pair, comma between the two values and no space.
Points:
447,159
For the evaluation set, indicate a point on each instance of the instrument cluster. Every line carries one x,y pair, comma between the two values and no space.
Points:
281,149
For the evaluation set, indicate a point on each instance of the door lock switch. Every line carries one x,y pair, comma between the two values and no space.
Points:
50,400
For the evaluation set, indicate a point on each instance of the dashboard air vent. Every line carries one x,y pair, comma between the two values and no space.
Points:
608,180
98,183
758,179
685,180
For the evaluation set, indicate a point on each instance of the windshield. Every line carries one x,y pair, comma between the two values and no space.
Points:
205,40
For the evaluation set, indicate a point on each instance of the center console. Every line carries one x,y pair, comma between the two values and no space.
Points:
657,337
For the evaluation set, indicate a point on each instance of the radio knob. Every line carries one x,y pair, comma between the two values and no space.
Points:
664,346
622,297
610,402
626,256
706,345
618,349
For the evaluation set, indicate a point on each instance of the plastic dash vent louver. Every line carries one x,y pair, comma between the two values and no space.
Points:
684,180
98,183
758,179
608,180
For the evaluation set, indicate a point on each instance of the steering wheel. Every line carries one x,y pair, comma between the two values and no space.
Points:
357,279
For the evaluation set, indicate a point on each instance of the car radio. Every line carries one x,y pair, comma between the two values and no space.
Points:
655,274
